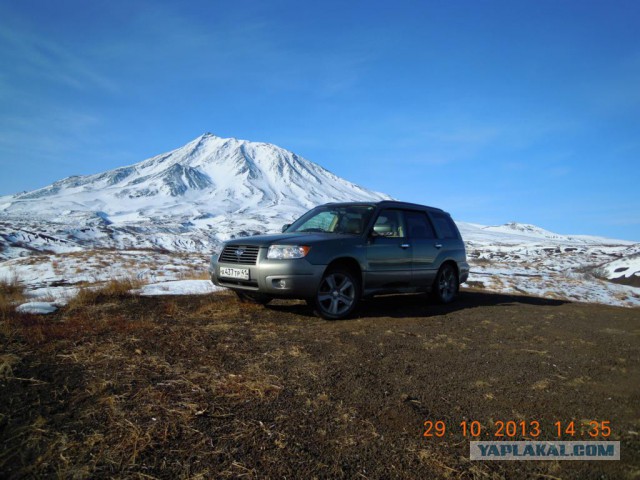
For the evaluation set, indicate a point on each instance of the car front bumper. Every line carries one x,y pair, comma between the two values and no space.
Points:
292,278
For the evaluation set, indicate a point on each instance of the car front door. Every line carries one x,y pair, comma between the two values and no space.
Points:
389,253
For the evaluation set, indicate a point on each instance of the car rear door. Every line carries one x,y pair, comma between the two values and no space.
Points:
449,239
425,247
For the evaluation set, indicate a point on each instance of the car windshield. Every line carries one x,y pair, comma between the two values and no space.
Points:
334,219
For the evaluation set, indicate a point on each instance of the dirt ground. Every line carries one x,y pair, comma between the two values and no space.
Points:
206,387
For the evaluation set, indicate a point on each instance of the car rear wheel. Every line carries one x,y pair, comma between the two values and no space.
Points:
338,294
445,287
256,298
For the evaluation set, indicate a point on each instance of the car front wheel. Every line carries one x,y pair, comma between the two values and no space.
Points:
338,294
445,287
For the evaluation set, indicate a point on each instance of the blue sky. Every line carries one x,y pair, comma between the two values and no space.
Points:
496,111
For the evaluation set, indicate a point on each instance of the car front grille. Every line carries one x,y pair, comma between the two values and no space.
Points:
241,254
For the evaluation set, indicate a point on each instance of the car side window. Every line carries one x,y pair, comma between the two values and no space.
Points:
444,225
390,224
418,225
324,221
351,223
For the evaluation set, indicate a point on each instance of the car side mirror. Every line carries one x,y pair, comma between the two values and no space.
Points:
285,226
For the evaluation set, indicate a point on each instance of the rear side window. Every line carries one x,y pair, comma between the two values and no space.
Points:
418,225
444,225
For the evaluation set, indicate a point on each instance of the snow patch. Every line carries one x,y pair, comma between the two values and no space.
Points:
180,287
626,267
38,308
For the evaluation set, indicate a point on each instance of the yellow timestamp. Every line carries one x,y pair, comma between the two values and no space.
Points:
519,428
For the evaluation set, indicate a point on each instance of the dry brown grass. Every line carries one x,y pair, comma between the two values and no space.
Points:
7,363
11,293
112,426
110,291
11,287
481,261
194,275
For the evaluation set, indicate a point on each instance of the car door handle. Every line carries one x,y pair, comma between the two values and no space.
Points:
405,245
438,245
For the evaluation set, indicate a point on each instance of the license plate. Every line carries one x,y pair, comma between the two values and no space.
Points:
241,273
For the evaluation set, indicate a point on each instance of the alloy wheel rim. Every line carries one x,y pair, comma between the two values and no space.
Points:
336,294
447,284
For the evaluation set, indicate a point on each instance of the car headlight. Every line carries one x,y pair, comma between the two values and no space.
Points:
281,252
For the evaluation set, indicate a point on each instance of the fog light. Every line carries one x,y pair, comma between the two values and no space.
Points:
279,283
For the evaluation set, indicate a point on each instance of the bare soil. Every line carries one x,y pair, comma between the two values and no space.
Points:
632,281
206,387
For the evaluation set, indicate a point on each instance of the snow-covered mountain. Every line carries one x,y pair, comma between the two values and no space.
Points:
185,200
208,176
524,233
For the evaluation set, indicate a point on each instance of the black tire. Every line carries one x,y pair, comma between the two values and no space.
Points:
338,294
255,298
445,286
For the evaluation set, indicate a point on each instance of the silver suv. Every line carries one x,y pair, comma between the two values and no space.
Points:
338,253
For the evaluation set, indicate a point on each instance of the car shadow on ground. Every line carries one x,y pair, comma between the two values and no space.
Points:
420,305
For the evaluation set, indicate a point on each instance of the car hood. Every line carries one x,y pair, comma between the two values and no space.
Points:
288,239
